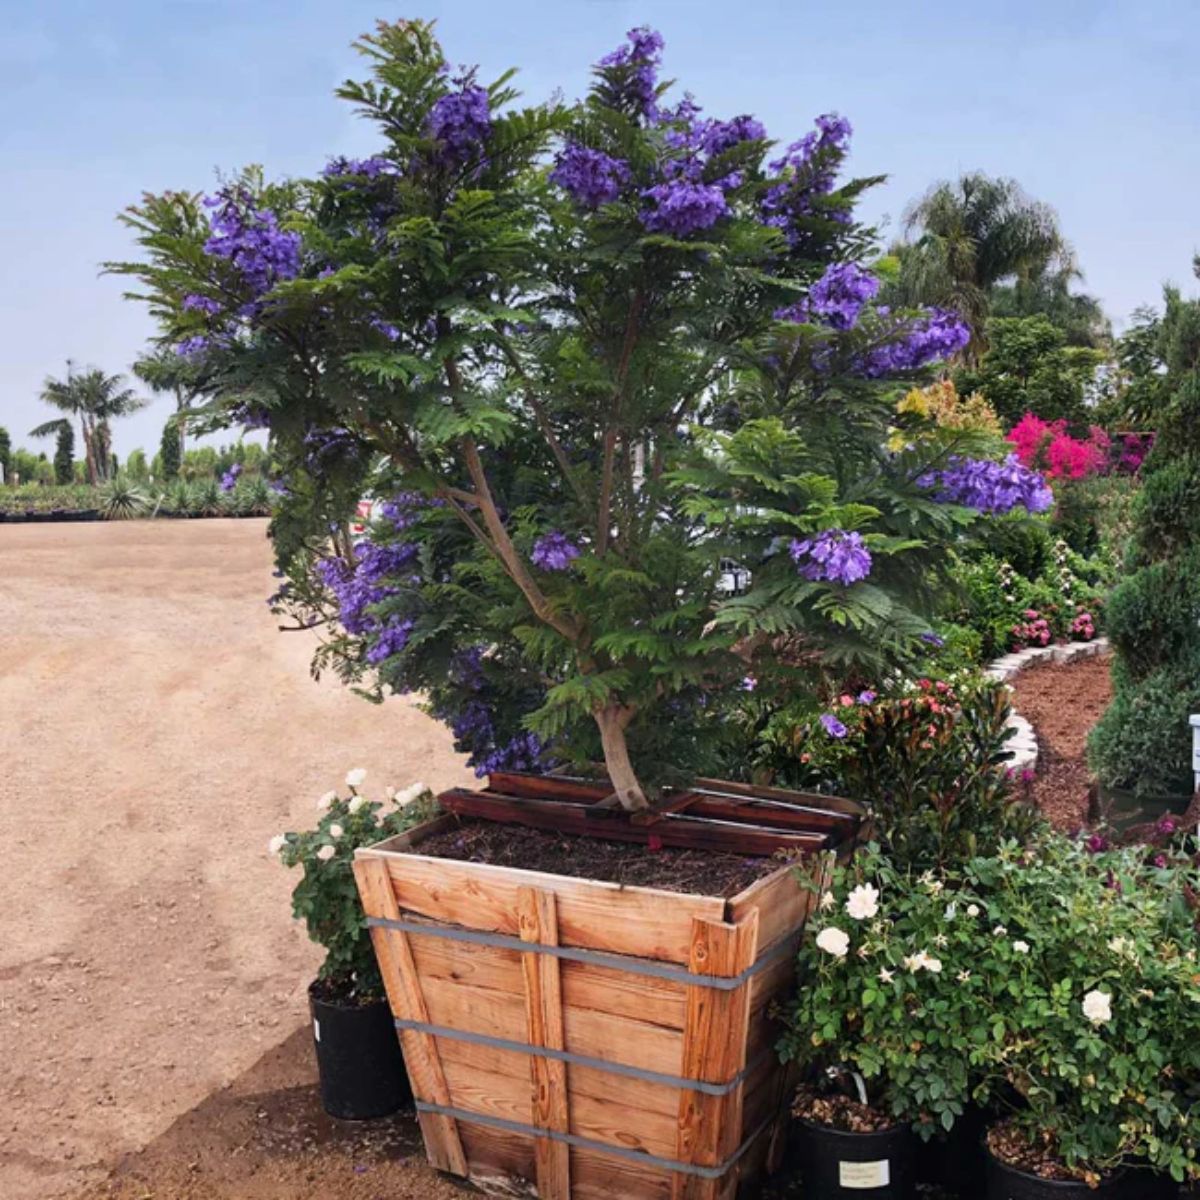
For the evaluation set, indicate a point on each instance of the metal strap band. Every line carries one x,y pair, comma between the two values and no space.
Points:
585,1060
615,962
571,1139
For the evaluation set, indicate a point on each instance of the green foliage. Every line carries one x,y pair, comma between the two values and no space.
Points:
1029,368
931,762
5,454
326,897
1026,545
1080,316
169,451
1060,982
121,499
136,466
64,455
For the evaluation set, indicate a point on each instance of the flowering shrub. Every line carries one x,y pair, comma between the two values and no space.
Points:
1033,630
326,898
523,316
1059,983
1046,446
941,403
930,762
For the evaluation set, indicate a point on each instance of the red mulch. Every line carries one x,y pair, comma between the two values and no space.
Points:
1063,702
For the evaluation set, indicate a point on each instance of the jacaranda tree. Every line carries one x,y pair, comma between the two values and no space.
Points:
586,357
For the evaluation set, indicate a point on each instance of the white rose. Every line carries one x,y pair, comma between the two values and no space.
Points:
931,963
326,801
972,910
834,941
886,976
414,791
1021,947
326,853
356,778
827,901
1097,1007
276,844
355,804
336,831
863,902
999,931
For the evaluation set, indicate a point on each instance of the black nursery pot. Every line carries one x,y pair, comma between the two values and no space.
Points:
358,1058
836,1165
955,1160
1007,1183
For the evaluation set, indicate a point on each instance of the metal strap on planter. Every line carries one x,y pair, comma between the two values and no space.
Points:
571,1139
598,958
586,1060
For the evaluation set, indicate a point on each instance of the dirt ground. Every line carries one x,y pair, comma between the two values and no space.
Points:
1063,703
155,730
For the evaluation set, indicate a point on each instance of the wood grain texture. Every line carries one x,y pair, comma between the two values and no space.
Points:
402,982
544,1027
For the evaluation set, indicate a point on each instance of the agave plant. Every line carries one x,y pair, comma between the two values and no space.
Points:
177,497
256,497
207,499
121,499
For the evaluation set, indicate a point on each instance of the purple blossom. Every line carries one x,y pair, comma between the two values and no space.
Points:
933,639
402,508
194,303
324,445
833,726
554,551
807,170
632,71
192,346
230,478
590,176
368,168
833,554
989,487
1095,844
867,697
840,294
937,334
250,239
682,207
524,753
388,330
367,581
391,639
719,136
460,122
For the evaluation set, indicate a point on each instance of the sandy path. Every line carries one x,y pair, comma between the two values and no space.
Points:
155,730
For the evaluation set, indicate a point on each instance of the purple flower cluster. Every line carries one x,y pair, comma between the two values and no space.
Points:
808,169
390,639
366,168
524,753
357,586
590,176
632,71
190,347
989,487
832,726
324,445
554,551
230,478
718,136
204,304
388,330
833,554
841,293
682,207
250,239
460,122
937,334
402,508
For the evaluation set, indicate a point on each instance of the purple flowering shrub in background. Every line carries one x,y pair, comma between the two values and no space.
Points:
546,340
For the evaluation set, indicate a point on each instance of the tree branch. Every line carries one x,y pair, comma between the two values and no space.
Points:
610,432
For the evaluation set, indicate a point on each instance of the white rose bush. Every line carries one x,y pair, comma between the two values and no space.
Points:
1057,986
326,898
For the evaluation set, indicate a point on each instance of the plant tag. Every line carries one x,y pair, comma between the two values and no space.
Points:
316,1030
858,1176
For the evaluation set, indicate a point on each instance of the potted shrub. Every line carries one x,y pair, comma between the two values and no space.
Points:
583,357
358,1056
1090,962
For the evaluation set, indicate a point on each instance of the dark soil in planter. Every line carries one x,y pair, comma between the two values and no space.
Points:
1063,703
699,871
1010,1148
839,1112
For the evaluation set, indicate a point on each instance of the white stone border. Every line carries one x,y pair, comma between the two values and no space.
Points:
1023,743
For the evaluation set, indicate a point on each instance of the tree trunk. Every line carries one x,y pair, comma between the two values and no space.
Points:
179,406
88,451
612,721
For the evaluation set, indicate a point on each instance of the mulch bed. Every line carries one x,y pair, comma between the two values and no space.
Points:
840,1112
698,871
1063,703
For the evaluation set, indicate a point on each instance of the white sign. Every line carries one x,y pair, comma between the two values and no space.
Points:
860,1176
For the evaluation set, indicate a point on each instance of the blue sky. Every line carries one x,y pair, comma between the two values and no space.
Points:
1093,106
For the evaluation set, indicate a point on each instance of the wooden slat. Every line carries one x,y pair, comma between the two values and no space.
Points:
442,1143
781,901
637,921
544,1024
714,1050
679,831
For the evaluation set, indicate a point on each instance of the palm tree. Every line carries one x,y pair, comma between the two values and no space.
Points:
967,236
95,399
166,371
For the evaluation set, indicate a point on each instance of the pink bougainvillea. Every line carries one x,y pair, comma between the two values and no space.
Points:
1046,446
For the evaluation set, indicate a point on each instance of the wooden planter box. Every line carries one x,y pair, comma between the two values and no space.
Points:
577,1039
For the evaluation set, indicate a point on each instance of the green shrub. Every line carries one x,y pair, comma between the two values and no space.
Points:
1153,616
121,499
1166,497
1023,543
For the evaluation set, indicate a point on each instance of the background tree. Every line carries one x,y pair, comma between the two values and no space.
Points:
95,399
136,466
169,450
5,454
967,236
64,454
1079,316
1153,617
182,376
1030,368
